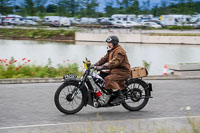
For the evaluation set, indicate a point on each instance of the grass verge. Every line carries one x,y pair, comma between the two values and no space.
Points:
37,34
174,34
25,69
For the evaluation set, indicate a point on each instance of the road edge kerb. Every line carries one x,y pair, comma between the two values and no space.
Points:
58,80
30,80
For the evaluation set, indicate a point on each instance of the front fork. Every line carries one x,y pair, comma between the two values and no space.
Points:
76,90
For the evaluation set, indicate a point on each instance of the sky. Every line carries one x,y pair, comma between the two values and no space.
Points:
102,3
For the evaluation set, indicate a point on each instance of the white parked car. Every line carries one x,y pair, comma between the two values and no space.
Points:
12,21
34,18
74,20
8,21
125,24
28,22
85,20
57,21
151,24
131,24
118,24
62,21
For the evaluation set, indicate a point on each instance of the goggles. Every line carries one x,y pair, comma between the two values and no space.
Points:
108,39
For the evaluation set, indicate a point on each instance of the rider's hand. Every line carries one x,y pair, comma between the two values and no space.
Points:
96,64
99,68
92,66
104,66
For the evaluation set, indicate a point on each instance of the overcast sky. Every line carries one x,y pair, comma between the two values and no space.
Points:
102,3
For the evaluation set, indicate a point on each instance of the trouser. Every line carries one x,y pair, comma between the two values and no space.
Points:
116,81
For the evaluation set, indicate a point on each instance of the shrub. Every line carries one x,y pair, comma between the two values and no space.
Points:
24,69
180,27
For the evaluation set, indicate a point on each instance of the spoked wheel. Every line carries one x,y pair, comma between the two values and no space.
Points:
66,102
137,96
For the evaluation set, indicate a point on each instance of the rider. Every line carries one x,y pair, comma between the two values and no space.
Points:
117,62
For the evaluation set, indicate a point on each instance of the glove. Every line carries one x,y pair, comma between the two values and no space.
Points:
96,64
92,66
104,66
99,68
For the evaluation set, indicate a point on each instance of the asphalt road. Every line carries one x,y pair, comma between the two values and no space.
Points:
33,104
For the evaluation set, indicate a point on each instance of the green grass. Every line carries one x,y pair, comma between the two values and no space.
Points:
174,34
36,34
25,69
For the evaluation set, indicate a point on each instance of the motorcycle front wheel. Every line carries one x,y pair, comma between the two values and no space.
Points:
137,96
64,101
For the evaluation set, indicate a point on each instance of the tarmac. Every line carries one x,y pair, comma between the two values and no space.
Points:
28,107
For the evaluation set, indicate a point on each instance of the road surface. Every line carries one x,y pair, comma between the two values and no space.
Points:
25,106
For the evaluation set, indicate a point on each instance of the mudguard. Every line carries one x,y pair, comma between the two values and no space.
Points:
83,87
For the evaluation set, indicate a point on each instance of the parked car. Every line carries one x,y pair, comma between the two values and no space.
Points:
124,17
151,24
57,21
156,21
62,21
34,18
74,20
1,20
125,24
85,20
106,21
131,24
8,21
12,20
118,24
28,22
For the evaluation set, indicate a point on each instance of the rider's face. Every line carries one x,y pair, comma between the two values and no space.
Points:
110,45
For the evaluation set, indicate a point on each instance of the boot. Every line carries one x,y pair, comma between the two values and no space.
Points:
119,99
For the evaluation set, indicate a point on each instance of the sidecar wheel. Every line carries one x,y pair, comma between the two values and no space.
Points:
65,103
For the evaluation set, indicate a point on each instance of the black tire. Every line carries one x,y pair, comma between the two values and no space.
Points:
139,87
66,90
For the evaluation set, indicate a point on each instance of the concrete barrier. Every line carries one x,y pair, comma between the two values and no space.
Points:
136,38
185,69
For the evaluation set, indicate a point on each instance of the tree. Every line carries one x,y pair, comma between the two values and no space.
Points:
154,10
133,8
4,8
164,9
190,7
29,7
39,4
146,6
182,7
60,10
51,8
71,7
88,8
67,7
109,9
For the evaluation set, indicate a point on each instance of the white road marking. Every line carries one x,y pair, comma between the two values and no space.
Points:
45,125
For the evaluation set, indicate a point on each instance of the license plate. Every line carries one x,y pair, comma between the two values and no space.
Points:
70,76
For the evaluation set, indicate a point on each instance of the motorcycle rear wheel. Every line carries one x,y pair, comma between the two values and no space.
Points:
138,96
65,103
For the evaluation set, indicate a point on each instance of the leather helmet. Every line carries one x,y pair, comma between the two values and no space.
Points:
113,39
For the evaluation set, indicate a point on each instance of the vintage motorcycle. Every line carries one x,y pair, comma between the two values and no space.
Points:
75,93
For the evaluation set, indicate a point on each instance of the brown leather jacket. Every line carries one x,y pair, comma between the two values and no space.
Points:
119,67
118,60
